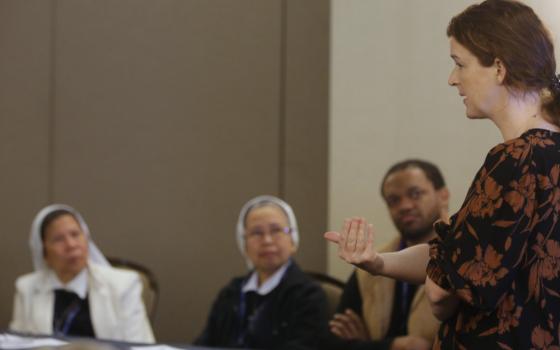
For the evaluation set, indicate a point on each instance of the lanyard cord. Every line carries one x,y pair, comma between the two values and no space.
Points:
252,319
242,311
404,291
63,324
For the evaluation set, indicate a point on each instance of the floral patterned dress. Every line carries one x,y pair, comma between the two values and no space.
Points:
501,252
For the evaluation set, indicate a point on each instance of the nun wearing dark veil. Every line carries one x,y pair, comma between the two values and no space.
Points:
276,305
74,291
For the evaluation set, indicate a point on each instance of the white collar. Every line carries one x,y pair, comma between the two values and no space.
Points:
252,283
78,284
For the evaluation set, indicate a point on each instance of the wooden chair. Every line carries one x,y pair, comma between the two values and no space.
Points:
150,290
333,289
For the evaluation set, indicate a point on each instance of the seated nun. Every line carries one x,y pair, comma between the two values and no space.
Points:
74,291
276,305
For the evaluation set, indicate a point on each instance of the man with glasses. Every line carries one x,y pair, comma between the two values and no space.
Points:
380,313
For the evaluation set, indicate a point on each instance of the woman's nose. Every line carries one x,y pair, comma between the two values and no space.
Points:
267,237
71,242
452,80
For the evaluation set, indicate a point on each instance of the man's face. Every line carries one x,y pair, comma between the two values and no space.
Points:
414,203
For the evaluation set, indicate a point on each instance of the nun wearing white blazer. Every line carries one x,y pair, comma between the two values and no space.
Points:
116,310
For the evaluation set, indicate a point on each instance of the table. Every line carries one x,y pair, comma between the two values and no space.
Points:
21,341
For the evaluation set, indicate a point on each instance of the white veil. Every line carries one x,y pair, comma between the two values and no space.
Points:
36,243
258,201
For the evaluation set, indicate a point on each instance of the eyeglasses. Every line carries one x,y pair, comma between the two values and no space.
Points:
275,232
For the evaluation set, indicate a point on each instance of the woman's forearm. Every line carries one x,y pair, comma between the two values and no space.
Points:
407,265
355,246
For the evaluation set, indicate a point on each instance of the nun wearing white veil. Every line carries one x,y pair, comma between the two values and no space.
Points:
276,305
73,290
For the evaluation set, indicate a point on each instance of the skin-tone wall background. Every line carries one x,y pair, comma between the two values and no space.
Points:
390,101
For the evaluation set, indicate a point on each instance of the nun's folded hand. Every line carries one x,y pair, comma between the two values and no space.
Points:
355,245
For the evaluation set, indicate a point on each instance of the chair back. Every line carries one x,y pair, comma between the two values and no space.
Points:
150,290
332,287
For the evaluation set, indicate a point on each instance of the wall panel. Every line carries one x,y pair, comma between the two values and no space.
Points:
25,79
158,120
306,86
160,110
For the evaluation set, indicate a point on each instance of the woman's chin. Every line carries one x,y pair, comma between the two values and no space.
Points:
74,269
475,115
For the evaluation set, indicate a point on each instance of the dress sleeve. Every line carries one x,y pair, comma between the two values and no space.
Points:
477,255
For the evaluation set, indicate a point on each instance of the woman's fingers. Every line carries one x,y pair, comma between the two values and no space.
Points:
344,235
361,236
332,236
343,239
356,246
368,239
350,244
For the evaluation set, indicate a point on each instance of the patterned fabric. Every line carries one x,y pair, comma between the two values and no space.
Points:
501,252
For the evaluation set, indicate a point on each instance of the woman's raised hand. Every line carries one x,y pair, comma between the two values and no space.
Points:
355,245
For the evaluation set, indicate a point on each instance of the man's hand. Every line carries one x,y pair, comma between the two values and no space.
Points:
349,325
410,342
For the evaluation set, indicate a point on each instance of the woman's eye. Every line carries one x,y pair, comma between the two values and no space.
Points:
57,239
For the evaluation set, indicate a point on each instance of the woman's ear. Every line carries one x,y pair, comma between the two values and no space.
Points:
501,70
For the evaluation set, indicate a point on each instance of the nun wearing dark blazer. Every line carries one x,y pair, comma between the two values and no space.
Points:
276,305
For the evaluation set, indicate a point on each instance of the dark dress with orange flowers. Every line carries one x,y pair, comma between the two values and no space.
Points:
501,252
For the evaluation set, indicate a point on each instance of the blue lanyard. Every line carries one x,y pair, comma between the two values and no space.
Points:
252,319
405,290
242,311
71,314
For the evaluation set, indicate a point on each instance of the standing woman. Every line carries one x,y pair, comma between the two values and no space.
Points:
74,291
493,275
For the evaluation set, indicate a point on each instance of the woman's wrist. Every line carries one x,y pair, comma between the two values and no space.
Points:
374,266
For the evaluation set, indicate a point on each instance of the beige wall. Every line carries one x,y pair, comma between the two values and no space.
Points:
25,145
158,120
390,101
